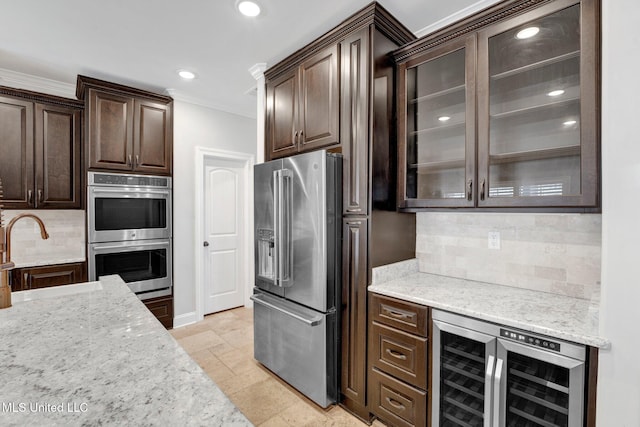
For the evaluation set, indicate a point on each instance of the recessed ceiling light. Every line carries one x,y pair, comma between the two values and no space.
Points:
444,118
527,32
186,74
556,92
249,8
570,122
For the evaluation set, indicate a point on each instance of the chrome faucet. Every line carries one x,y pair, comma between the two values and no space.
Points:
5,252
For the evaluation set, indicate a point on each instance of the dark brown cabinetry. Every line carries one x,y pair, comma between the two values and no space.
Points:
26,278
302,106
504,113
127,129
162,308
41,140
398,361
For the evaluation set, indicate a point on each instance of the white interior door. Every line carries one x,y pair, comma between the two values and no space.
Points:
223,242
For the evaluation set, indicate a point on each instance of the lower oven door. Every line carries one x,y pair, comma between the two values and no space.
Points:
145,265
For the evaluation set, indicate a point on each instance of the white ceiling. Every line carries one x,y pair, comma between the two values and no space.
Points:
143,43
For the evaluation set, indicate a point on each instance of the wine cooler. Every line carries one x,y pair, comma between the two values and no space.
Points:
487,375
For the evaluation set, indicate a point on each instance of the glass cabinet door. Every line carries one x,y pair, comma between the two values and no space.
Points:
438,147
537,143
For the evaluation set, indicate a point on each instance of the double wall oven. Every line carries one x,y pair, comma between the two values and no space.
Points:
130,231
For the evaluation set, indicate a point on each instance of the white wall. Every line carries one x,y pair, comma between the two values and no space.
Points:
197,126
619,369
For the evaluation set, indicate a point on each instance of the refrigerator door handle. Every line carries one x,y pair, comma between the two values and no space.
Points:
313,321
497,395
281,226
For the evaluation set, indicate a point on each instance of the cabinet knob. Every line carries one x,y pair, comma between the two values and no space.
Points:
469,189
129,161
40,196
137,161
205,244
30,197
295,138
482,185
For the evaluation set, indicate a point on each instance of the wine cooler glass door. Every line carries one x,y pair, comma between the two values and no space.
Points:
464,362
537,387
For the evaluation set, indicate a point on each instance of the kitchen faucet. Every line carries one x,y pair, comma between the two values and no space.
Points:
5,252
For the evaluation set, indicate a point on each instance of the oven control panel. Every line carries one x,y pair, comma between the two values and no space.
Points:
530,339
124,180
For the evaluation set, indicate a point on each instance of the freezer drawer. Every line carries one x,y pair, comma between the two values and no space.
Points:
298,344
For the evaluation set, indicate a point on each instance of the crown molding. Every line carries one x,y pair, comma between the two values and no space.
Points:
30,82
257,70
455,17
181,97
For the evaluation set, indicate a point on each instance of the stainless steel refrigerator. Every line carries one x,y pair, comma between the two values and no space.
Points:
298,208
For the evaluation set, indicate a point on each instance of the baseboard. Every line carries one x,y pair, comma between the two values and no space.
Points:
185,319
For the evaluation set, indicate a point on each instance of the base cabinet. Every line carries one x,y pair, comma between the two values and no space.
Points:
398,361
162,308
23,279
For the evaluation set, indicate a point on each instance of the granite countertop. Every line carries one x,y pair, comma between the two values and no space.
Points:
99,357
40,262
558,316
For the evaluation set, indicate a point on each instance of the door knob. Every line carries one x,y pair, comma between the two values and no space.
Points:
205,244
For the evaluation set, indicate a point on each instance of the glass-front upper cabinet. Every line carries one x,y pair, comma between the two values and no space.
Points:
437,149
537,136
501,110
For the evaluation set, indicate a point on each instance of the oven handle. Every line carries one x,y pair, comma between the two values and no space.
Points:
125,192
132,247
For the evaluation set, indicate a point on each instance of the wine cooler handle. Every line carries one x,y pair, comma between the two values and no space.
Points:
488,377
497,379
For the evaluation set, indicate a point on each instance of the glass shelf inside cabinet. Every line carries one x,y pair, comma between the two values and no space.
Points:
436,128
534,108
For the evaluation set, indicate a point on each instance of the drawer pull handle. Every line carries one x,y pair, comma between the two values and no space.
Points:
398,314
396,354
395,404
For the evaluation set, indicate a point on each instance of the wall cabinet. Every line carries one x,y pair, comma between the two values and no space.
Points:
505,114
41,140
128,129
302,106
398,361
26,278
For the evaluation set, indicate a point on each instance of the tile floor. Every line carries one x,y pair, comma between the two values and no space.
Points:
222,344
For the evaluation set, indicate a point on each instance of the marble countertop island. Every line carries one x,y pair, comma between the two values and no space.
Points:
97,356
571,319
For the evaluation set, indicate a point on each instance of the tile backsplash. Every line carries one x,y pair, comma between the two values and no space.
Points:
556,253
66,242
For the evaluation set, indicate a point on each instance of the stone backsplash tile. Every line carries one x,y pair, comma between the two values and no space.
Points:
557,253
67,241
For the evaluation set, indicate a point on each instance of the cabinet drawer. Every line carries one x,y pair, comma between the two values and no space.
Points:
397,353
396,402
402,315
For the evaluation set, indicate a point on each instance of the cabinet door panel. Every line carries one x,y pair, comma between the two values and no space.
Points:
16,161
437,140
153,137
354,309
281,116
110,131
354,116
537,136
58,159
318,100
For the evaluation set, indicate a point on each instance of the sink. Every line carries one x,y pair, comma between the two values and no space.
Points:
55,291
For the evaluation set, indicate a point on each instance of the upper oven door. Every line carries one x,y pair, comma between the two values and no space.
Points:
128,213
